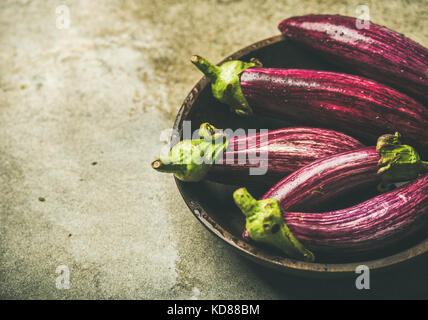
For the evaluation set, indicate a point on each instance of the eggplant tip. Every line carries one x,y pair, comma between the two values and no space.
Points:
156,164
194,59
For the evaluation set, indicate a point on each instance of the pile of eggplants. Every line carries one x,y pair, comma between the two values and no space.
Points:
381,100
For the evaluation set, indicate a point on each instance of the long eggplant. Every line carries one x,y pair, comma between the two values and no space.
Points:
354,105
370,50
372,225
259,158
324,180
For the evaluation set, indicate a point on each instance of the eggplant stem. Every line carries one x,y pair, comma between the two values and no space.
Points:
265,223
166,166
245,201
207,68
190,160
398,162
156,164
225,82
208,132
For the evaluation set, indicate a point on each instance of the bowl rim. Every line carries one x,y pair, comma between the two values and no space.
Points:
247,249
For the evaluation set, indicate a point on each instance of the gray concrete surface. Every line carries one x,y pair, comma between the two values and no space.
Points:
81,112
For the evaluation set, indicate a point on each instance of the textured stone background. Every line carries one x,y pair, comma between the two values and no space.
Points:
81,112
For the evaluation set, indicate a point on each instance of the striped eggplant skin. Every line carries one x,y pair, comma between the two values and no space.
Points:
327,179
373,51
283,151
369,226
261,158
354,105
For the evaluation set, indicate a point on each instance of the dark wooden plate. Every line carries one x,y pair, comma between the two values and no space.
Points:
212,203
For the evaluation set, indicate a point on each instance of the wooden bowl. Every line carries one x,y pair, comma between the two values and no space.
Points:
212,203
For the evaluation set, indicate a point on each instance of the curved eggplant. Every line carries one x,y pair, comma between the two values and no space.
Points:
373,50
327,179
320,182
374,224
377,223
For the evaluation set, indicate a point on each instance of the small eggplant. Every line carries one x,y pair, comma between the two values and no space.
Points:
260,158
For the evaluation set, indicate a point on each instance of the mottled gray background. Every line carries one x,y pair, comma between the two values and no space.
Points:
81,112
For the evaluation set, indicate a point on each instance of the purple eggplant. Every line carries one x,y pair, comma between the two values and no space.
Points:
277,153
301,232
370,50
374,224
354,105
259,158
327,179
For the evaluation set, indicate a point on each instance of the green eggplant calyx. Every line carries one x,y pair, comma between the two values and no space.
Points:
265,224
398,162
225,80
209,132
388,140
190,160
